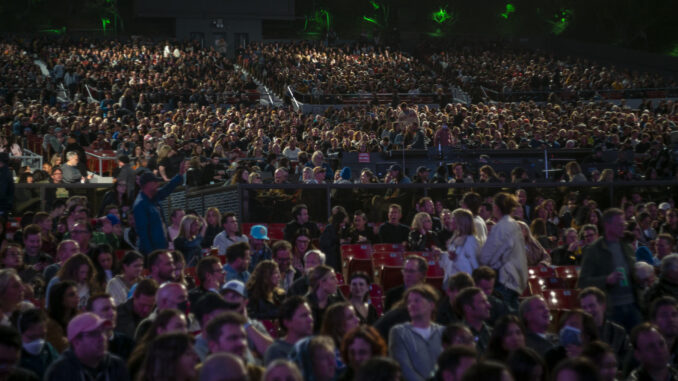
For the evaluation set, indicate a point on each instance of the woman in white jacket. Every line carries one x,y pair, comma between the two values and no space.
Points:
504,251
462,248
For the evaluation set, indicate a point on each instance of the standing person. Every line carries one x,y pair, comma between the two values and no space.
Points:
6,186
608,264
126,175
463,248
504,251
150,227
415,345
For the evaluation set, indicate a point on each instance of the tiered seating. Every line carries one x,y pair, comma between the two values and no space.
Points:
276,231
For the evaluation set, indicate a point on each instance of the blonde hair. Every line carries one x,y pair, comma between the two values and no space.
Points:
463,220
186,222
163,151
418,220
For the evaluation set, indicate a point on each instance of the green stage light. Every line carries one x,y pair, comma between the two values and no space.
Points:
562,21
374,4
104,23
371,20
510,8
441,16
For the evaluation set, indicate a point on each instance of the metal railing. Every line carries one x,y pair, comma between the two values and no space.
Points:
566,94
273,202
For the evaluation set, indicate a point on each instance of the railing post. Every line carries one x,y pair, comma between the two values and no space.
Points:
328,196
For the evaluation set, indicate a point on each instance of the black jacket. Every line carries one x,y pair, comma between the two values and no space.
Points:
68,367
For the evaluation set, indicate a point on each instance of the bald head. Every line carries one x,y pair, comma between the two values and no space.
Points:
171,295
223,367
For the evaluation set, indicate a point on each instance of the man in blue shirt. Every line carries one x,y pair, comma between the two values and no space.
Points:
150,226
237,262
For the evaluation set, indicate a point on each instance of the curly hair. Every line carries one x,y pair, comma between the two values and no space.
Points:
367,333
259,286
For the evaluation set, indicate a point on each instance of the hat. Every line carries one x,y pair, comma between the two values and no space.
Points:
346,173
113,219
123,158
423,169
235,286
259,232
147,177
664,206
395,167
86,322
58,129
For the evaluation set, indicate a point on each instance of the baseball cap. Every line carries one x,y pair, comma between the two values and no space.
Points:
664,206
423,169
113,219
395,167
259,232
235,286
147,177
86,322
123,158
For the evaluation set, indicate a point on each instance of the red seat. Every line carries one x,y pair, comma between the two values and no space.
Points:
387,259
388,247
356,264
340,279
535,286
567,271
561,299
345,290
376,291
378,304
390,277
555,283
119,254
245,227
434,270
361,251
541,271
435,281
276,231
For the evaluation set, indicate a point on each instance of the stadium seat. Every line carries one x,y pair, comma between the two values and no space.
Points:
356,264
247,226
555,283
376,291
390,277
345,290
435,281
340,279
276,232
434,270
567,271
378,304
193,273
360,251
541,271
387,259
561,299
388,247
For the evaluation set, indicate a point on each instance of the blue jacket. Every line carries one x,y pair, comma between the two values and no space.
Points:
148,217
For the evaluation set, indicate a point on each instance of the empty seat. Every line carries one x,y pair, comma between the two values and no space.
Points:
390,277
541,271
561,299
387,259
388,247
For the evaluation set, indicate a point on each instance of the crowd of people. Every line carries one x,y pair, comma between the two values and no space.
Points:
506,69
116,291
317,70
